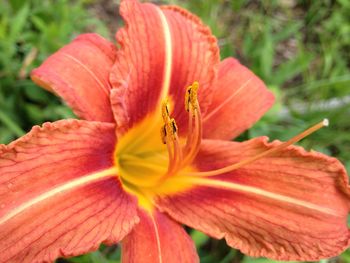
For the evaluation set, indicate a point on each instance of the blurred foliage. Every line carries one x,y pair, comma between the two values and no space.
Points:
29,32
301,51
299,48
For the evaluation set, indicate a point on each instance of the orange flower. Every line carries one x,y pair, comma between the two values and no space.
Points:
153,151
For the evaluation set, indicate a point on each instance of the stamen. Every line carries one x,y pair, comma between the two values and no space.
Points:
240,164
173,127
179,157
190,136
163,134
165,111
195,139
171,154
170,138
194,135
187,98
169,141
173,142
191,96
194,96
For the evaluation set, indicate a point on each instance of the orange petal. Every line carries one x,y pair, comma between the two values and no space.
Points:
240,99
58,195
163,50
79,73
292,205
157,239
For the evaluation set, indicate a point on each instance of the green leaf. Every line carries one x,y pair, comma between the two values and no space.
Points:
10,124
267,53
18,22
199,238
291,68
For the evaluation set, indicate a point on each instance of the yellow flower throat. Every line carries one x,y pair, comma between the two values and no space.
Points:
150,159
153,161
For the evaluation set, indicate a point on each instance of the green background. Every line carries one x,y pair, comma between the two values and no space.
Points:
299,48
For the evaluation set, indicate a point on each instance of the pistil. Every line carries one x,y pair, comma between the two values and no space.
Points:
269,152
182,156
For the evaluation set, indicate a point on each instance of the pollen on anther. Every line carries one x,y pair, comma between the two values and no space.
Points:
165,111
173,125
187,98
163,134
191,96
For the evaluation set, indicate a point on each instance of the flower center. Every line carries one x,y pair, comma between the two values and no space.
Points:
150,165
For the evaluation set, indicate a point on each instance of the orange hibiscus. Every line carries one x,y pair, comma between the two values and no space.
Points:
153,151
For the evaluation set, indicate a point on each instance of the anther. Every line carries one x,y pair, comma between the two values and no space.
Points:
174,126
163,133
191,97
194,133
187,98
165,111
171,128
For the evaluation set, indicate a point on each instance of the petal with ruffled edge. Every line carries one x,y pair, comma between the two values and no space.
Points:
158,239
292,205
58,194
240,99
163,50
79,73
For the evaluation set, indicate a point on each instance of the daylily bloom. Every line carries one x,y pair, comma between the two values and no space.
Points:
153,152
